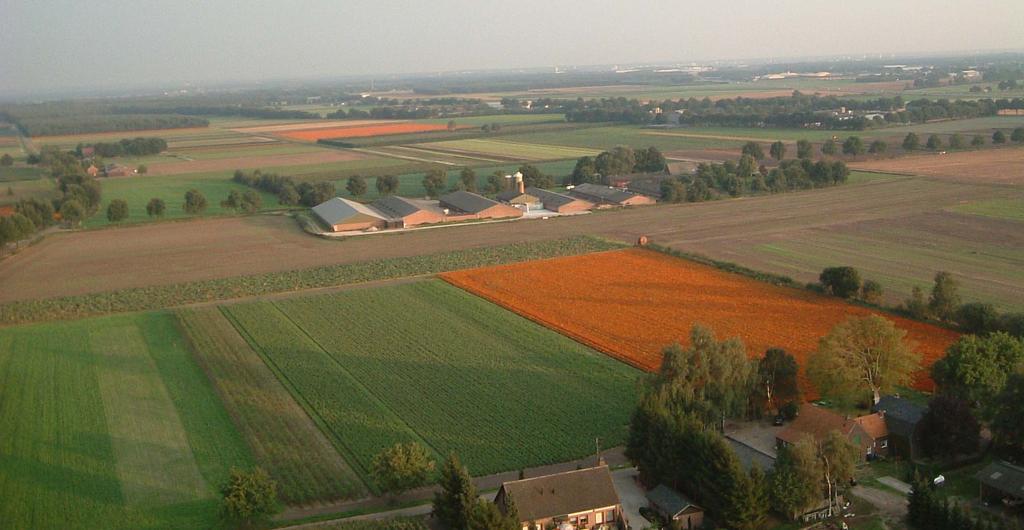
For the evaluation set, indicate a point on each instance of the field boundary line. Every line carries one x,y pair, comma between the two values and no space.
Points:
358,382
403,157
343,450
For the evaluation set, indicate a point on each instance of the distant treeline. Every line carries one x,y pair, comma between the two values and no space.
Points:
734,179
221,110
81,124
128,146
618,161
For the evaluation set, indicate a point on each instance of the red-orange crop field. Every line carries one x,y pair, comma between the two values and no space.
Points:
632,303
312,135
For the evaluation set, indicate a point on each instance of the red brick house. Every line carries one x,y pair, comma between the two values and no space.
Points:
584,498
867,432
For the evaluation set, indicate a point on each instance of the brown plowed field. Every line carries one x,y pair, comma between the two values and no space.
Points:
632,303
249,162
378,129
305,125
1000,166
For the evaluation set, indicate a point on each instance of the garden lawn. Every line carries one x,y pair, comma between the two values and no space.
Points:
429,363
108,423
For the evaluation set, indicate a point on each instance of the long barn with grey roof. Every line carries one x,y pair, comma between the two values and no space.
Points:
558,202
609,196
343,215
463,204
405,213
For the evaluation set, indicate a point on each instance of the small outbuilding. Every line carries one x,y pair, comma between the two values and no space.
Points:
462,205
343,215
1002,482
583,498
676,507
558,202
610,196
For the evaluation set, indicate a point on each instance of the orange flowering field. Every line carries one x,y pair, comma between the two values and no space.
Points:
360,131
631,303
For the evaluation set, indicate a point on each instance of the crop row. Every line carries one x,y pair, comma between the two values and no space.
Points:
162,296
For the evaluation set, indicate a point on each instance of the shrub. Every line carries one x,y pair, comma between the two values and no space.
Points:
843,282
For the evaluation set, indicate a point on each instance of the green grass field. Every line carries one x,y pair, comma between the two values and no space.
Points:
501,119
108,423
139,190
1005,208
602,138
13,173
430,363
768,134
14,191
283,439
981,125
512,147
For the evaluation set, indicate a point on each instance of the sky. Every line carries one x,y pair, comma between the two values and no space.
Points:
55,45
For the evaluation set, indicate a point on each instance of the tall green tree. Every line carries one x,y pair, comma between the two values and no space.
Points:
401,467
488,516
934,142
957,141
878,147
843,282
72,212
911,142
753,149
1017,135
777,150
454,504
117,210
251,201
356,186
584,172
156,207
862,354
916,306
7,160
978,141
233,202
468,179
804,149
777,378
829,147
1008,416
387,185
838,456
853,146
248,498
945,297
435,181
975,368
195,202
949,428
999,137
795,483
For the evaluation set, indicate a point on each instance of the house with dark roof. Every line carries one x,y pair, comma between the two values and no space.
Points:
559,202
903,420
867,432
584,498
609,196
1002,482
675,507
343,215
462,205
405,213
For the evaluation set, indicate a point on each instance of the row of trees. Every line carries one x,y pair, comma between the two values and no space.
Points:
127,146
620,160
81,124
288,191
735,179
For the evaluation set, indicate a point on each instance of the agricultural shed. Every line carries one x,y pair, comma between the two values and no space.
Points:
517,197
403,213
675,507
342,215
1002,481
582,498
558,202
902,418
466,205
608,195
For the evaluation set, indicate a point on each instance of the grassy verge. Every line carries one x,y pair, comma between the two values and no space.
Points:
162,296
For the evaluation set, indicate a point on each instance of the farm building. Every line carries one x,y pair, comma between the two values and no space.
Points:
518,198
342,215
867,432
583,498
463,205
117,170
1002,482
609,196
902,419
560,203
404,213
675,507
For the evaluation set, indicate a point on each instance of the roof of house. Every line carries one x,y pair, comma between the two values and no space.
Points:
562,494
873,424
395,206
670,501
749,456
605,193
509,195
1004,477
338,210
814,421
551,199
901,414
467,202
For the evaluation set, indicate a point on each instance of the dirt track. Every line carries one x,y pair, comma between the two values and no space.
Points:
102,260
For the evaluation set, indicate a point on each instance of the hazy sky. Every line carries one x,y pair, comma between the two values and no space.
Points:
50,45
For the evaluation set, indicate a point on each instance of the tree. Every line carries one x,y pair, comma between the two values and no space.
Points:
251,201
495,183
233,202
356,186
532,177
949,428
72,212
468,179
795,483
975,368
957,141
117,210
753,149
862,354
402,467
999,137
288,196
452,125
584,172
945,297
7,160
1017,135
829,147
853,146
650,160
487,516
843,282
977,141
248,497
911,142
977,318
839,457
195,202
458,496
777,375
804,149
1008,416
142,169
916,306
777,150
156,207
871,291
435,181
934,142
878,147
387,185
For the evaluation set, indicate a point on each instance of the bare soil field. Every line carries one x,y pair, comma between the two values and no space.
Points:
876,225
998,166
703,155
301,126
248,162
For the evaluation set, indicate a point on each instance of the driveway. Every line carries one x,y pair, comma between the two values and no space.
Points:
887,503
632,496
